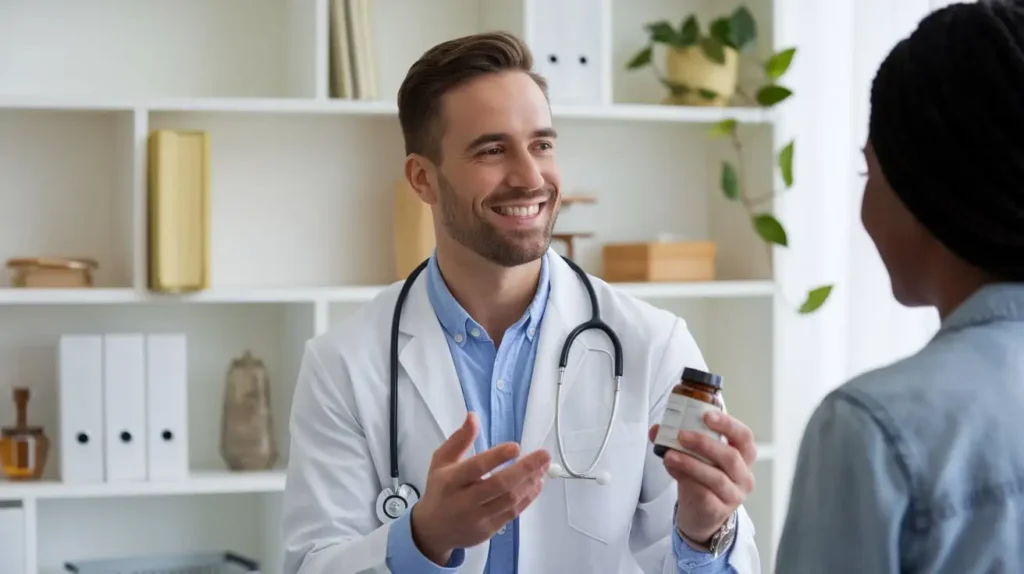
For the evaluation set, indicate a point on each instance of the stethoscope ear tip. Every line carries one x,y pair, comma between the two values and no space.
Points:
603,478
555,471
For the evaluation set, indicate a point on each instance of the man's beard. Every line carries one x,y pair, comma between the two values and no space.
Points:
483,238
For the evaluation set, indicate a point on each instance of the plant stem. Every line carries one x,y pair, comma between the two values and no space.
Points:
748,203
762,198
743,93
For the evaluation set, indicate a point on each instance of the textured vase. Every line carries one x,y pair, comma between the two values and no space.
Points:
247,427
692,68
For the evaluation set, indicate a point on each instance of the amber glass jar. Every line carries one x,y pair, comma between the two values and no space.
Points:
23,448
697,393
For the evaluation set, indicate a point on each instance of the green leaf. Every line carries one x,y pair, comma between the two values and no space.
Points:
770,229
713,49
641,59
730,181
723,128
662,32
676,88
707,94
689,34
786,164
779,63
743,26
721,30
815,299
772,94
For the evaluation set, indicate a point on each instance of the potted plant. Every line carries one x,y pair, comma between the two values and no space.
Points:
701,66
702,70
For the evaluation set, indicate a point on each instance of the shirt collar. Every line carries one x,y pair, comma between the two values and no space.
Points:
990,303
456,321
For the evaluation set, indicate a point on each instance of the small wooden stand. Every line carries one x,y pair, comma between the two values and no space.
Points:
570,238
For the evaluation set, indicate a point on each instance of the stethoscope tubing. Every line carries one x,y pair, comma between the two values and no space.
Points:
595,322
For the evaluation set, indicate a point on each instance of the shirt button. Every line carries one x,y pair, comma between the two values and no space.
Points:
501,530
458,337
531,331
500,384
475,332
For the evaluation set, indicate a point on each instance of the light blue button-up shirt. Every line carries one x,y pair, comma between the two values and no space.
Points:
496,383
919,466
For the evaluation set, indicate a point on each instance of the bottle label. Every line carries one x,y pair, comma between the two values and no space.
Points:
685,413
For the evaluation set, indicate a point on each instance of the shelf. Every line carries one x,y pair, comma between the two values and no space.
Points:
355,294
204,482
359,108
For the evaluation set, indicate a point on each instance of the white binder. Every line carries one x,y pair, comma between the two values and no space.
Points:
80,396
569,41
167,406
12,538
124,394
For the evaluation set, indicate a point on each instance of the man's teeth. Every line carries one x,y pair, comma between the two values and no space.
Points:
519,210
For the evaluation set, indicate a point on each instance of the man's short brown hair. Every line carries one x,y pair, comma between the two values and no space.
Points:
446,66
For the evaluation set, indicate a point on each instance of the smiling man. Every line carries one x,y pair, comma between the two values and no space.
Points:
475,361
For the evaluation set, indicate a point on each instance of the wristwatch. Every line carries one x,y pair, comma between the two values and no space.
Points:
722,539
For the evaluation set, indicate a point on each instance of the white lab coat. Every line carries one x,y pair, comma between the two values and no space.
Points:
339,455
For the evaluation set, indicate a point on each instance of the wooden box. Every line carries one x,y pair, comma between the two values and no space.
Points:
656,261
52,272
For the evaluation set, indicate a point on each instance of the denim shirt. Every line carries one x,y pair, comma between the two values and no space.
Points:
919,466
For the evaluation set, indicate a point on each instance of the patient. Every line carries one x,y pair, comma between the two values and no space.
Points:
919,466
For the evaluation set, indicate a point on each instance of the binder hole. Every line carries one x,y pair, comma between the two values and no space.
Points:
126,436
583,60
82,438
553,59
167,435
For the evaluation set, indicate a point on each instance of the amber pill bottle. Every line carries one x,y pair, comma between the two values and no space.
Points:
697,393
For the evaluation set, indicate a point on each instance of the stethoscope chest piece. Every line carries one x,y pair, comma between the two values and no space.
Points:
392,503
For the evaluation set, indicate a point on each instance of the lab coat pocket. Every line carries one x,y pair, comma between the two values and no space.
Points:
604,512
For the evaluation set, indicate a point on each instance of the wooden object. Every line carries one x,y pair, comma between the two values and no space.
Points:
52,272
179,211
568,200
414,230
570,240
660,261
23,448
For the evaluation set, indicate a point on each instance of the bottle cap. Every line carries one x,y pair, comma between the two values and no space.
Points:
703,377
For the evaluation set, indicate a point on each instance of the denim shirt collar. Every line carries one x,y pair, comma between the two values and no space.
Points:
991,303
457,322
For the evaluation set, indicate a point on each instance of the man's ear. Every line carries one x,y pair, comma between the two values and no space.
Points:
421,174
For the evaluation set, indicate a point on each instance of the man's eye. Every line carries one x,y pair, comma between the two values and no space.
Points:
491,151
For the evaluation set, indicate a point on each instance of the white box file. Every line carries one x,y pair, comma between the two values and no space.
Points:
124,405
167,406
12,538
80,382
570,42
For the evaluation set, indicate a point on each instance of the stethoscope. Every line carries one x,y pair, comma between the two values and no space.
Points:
396,499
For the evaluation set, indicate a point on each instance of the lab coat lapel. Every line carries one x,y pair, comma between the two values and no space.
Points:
568,306
426,360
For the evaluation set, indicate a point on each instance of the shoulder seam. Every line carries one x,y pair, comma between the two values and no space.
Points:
889,429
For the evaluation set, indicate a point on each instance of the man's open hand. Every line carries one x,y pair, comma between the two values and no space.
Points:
460,506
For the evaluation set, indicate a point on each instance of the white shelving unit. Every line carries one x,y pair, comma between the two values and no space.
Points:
301,202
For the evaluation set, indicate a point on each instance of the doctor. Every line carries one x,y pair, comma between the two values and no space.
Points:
476,360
